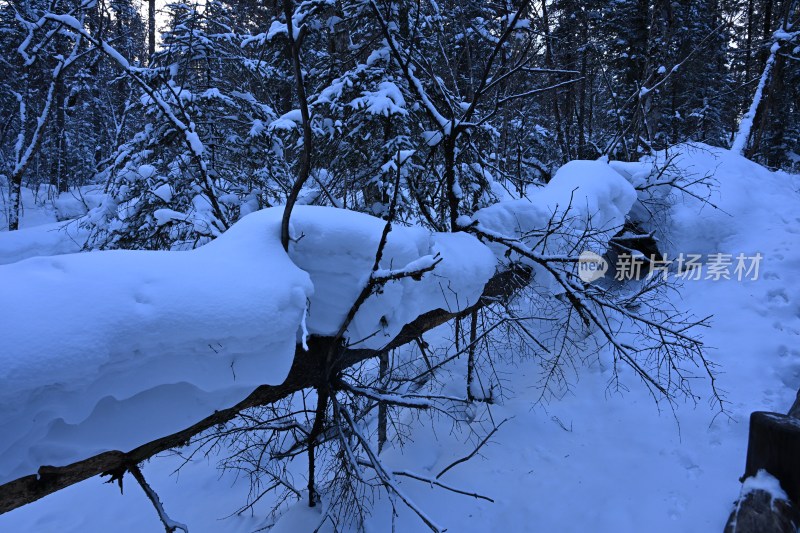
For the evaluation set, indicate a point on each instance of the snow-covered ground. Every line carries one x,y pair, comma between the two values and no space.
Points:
594,460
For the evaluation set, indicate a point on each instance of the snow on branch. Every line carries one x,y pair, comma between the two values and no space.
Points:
170,525
780,37
232,310
183,124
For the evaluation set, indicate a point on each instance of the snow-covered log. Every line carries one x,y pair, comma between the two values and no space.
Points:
120,355
772,446
307,370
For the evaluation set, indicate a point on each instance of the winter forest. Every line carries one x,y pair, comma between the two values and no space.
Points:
382,265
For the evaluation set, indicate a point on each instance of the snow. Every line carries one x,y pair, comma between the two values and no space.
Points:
763,480
164,191
585,194
277,28
386,101
41,232
401,157
77,25
288,121
257,128
35,210
47,239
323,248
595,459
194,142
591,192
690,225
197,330
97,339
598,460
147,171
165,216
432,138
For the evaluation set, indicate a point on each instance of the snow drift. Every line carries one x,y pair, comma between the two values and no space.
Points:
107,350
337,248
698,218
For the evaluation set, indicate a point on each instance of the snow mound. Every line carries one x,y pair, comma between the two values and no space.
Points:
587,194
47,239
107,350
337,248
580,209
699,218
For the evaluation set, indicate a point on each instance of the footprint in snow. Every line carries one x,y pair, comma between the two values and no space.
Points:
693,470
677,505
778,296
142,299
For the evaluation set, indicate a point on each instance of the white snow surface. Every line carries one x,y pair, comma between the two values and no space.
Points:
590,193
765,481
595,460
107,350
337,248
93,340
45,225
582,194
54,238
693,226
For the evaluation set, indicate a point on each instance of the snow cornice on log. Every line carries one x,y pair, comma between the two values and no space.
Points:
308,370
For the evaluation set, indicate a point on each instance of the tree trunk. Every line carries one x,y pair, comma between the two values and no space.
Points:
773,446
449,146
382,414
759,512
58,176
151,29
742,137
14,191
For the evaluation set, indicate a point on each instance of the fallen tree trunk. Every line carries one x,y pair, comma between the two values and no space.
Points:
308,370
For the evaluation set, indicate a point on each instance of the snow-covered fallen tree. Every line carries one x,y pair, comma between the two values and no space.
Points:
115,356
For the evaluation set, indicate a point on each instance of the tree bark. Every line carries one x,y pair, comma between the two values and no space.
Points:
759,512
302,100
151,29
773,446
